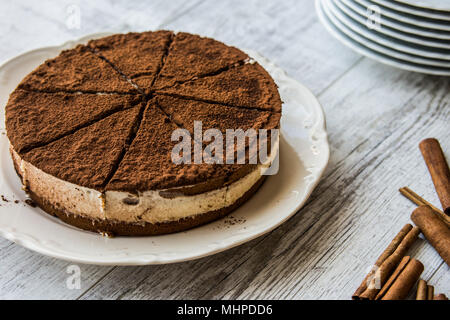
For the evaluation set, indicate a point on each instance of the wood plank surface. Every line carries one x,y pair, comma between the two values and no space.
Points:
376,116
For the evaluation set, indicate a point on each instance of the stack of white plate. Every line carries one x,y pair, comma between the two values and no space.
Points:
408,34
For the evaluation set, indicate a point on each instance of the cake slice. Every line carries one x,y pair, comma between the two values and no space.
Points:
92,152
216,116
246,86
184,112
192,56
77,69
213,115
147,164
37,118
136,55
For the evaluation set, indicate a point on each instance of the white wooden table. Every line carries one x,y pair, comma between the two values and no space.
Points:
376,116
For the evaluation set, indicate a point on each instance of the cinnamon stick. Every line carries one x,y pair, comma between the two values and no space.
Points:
414,197
402,280
440,296
434,230
422,290
393,277
439,170
430,292
386,263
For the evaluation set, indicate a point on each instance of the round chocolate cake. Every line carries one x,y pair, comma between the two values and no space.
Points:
91,131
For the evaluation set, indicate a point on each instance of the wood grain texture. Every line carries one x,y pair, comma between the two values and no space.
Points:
376,116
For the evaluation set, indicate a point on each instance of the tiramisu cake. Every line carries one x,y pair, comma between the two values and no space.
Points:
91,131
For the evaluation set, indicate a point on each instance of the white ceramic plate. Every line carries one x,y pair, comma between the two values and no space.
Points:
408,28
304,153
406,18
439,5
418,54
421,12
368,51
409,58
407,37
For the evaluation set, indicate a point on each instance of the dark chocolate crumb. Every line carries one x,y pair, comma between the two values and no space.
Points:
4,199
31,203
231,221
131,201
16,201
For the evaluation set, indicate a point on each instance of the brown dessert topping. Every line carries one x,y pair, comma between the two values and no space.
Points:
88,156
37,118
192,56
247,86
74,70
134,54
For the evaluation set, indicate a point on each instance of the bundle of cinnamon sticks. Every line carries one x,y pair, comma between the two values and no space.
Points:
394,274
